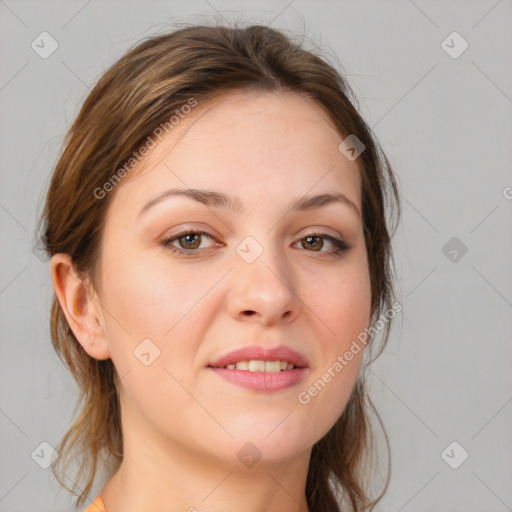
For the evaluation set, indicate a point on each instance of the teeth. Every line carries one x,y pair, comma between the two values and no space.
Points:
271,366
261,366
256,366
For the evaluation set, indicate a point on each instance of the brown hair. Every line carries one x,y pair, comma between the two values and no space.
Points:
140,92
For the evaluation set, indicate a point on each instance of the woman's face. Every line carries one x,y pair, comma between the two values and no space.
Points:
266,276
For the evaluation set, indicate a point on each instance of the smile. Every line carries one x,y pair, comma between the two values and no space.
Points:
260,366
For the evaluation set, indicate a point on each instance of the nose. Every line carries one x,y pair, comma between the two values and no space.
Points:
264,291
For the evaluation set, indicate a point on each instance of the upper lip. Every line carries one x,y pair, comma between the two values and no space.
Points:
258,353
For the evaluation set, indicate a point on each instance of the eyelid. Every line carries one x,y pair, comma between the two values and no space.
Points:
319,230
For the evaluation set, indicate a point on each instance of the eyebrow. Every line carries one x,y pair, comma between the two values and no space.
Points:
214,199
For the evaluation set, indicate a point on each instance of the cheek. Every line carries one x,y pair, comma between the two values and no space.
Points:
350,317
344,310
342,303
159,309
155,315
153,300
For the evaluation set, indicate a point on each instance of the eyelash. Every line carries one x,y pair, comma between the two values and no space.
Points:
340,245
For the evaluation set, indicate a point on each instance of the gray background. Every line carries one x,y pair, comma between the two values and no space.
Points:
446,125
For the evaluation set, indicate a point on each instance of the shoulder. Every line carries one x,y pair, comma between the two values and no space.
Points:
96,506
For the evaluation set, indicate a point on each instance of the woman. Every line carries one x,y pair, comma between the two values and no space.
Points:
221,262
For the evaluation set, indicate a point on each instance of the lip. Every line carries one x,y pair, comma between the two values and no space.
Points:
258,353
262,381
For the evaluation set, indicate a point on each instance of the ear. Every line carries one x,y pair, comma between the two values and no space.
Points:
81,307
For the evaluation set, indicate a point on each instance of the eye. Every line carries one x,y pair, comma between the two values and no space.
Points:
188,240
314,242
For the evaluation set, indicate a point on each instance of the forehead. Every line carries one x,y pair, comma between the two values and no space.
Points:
252,143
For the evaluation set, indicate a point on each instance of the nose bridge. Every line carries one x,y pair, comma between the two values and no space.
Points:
263,283
263,254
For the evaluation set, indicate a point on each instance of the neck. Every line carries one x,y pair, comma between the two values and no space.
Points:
159,474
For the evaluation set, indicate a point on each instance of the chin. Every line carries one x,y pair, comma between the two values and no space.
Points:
274,448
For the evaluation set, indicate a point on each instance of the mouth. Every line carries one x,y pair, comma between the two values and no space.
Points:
261,369
255,358
258,365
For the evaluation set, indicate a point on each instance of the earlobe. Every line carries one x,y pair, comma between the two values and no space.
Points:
80,306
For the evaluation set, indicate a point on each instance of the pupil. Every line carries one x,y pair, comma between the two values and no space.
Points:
309,238
188,237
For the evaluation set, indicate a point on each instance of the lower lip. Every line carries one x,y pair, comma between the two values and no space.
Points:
262,381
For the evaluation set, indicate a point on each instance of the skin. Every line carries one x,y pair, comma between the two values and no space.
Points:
182,424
